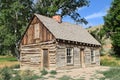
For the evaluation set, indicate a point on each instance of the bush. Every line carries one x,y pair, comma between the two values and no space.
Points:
106,62
65,78
6,73
15,66
44,72
110,61
53,72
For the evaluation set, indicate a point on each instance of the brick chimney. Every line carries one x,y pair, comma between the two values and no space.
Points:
57,18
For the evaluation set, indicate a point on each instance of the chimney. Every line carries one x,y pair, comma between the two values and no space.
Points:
57,18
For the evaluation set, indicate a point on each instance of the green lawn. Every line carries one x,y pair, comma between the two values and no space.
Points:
112,74
8,61
7,58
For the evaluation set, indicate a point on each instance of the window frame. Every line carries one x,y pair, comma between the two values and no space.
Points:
92,56
70,54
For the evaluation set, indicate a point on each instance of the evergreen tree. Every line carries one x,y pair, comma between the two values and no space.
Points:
112,25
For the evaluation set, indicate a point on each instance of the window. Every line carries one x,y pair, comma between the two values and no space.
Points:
36,31
92,56
69,56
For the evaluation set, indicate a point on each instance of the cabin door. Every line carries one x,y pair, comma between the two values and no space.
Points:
45,58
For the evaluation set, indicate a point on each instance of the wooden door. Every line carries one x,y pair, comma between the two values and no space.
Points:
45,58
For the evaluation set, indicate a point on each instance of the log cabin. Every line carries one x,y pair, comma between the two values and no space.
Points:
52,44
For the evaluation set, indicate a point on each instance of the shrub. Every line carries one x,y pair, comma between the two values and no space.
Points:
17,77
53,72
110,61
15,66
6,73
65,78
44,72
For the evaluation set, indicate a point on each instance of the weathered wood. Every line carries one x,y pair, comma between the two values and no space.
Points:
38,38
76,54
87,53
36,33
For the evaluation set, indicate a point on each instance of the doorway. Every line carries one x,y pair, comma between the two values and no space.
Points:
45,58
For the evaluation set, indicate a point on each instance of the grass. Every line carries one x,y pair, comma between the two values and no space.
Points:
7,58
112,61
8,61
65,78
112,74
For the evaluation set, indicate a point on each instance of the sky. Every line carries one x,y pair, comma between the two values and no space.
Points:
94,13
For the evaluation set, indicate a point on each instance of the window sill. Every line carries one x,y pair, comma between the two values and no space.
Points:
69,64
93,62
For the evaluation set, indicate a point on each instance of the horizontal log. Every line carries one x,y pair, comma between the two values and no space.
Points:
29,52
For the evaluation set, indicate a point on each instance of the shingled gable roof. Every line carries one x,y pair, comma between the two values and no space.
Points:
67,31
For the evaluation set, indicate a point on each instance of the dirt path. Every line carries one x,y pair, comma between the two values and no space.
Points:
90,73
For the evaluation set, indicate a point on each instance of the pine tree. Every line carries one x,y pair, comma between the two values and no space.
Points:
112,25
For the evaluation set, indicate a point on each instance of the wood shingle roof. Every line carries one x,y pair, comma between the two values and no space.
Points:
67,31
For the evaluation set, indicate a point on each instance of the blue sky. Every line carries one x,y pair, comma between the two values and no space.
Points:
94,13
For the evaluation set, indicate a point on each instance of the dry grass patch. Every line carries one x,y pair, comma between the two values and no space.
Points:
110,61
8,64
8,61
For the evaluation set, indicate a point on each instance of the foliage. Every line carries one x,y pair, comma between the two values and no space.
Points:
15,66
113,61
15,14
53,72
65,78
64,7
112,74
10,74
44,72
5,73
99,34
112,24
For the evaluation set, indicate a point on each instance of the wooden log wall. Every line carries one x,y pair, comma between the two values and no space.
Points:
87,52
76,53
97,56
30,57
88,61
36,33
51,54
61,56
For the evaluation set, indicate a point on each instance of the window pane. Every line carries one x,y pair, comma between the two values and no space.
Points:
92,56
69,55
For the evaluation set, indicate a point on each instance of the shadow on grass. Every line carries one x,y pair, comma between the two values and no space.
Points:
111,74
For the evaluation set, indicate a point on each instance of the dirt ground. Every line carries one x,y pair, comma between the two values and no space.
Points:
89,73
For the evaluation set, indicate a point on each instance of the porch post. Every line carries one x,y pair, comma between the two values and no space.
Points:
82,61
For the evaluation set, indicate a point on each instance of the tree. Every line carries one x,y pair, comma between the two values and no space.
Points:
112,25
14,15
65,7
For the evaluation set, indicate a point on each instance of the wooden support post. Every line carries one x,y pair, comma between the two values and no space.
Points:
82,60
